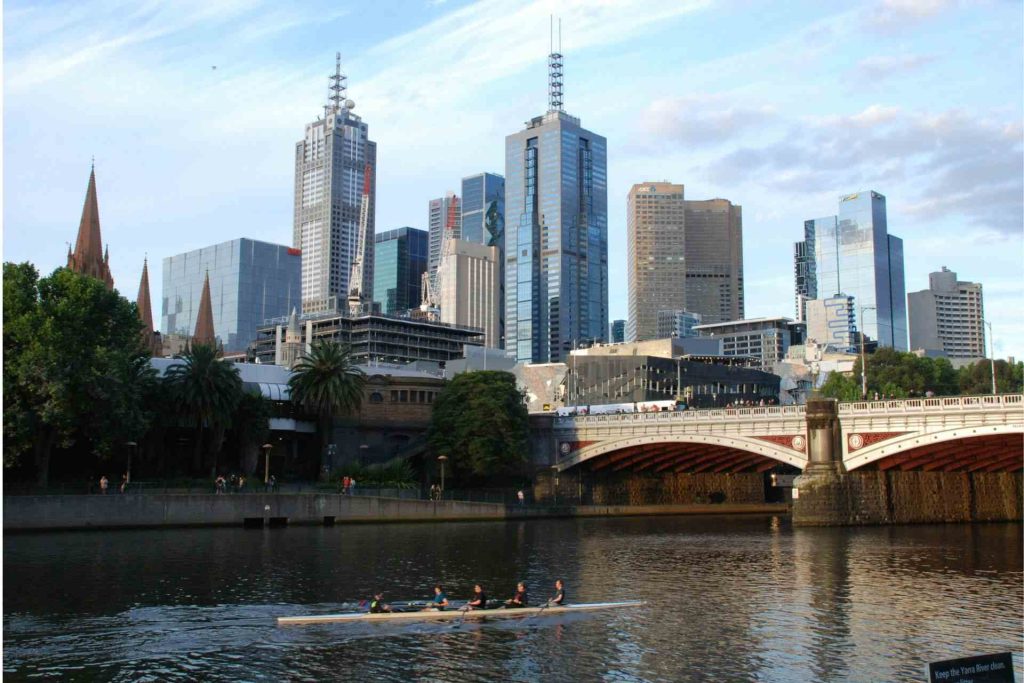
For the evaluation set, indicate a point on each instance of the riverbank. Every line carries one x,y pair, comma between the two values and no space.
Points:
52,513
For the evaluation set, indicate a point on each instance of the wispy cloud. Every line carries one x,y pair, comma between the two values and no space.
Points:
880,67
896,15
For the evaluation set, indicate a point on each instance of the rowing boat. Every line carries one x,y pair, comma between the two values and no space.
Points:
500,613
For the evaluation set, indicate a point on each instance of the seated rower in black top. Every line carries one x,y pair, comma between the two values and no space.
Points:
559,598
479,600
519,599
377,605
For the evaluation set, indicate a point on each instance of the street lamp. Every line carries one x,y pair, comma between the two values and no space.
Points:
266,463
863,367
132,446
442,459
992,355
554,480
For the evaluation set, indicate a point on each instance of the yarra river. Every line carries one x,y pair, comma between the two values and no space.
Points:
729,599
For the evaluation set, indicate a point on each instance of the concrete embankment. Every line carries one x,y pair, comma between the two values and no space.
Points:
44,513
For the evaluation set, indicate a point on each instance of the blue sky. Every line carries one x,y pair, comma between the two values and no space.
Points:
779,107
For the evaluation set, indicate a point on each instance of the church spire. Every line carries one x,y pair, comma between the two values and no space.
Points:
88,257
204,321
145,308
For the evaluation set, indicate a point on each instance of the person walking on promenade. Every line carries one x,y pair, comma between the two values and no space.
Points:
352,486
124,482
344,484
104,482
521,497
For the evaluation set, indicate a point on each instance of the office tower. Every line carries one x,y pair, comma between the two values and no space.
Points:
656,255
399,260
832,322
483,210
444,215
469,289
89,257
334,161
714,259
949,316
250,282
556,233
855,254
766,339
677,323
618,331
803,275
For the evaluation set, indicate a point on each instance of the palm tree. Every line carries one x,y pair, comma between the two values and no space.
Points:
326,383
207,391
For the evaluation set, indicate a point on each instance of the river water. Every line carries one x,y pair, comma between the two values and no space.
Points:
729,599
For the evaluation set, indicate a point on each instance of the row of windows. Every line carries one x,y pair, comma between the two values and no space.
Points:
405,396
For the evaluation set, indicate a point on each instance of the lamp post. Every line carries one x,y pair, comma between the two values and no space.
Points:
554,483
132,446
863,367
992,355
442,459
266,463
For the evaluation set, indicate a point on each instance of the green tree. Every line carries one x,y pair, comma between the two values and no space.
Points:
842,387
251,427
206,390
480,422
326,383
976,378
73,366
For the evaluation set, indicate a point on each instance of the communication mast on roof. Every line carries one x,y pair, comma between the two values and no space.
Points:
337,90
555,69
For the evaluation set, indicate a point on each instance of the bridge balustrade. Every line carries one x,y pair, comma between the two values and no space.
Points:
911,405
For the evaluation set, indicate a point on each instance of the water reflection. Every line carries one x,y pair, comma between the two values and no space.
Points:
728,599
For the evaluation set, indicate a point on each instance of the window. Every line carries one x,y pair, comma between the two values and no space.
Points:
376,397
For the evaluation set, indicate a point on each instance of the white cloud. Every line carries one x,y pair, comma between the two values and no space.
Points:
895,15
880,67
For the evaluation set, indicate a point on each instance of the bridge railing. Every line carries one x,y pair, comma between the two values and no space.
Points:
920,405
708,415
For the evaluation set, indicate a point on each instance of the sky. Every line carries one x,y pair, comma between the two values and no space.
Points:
779,107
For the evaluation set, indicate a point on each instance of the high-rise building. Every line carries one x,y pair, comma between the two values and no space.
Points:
803,275
333,162
832,322
855,254
469,289
483,210
766,339
250,282
444,214
949,316
714,259
556,233
399,260
618,331
677,323
89,257
656,261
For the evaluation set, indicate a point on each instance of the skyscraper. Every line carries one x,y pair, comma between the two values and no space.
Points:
656,262
676,323
949,316
556,233
714,260
855,254
469,289
618,331
803,275
330,167
400,258
444,213
483,210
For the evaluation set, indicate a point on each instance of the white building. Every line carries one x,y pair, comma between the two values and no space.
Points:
677,324
765,338
949,316
469,289
832,322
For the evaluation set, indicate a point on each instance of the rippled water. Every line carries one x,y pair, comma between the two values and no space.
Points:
730,599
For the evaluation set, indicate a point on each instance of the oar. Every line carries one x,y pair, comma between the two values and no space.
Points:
462,617
541,610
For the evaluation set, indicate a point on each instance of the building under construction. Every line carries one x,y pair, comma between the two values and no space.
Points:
374,338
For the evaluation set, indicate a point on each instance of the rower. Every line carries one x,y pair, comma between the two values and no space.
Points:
479,600
559,599
519,599
377,605
439,602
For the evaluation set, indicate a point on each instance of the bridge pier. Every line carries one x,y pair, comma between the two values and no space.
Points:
821,493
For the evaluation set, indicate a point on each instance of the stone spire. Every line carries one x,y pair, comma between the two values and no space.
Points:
204,321
145,308
88,257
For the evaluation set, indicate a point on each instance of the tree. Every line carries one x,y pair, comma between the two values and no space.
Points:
326,383
251,427
976,378
841,387
207,391
480,422
73,367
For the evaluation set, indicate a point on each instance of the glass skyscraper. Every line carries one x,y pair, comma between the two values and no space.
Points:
483,210
556,234
855,254
399,260
250,282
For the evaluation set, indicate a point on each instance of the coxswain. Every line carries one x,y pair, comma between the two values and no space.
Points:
479,600
519,599
559,598
377,605
440,600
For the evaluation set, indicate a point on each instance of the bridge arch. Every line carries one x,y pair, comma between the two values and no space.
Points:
964,448
711,451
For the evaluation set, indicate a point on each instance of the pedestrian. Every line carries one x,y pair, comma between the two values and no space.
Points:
124,482
241,483
219,484
104,482
352,486
521,497
273,483
345,481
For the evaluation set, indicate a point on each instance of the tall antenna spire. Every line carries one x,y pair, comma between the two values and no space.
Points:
337,86
555,70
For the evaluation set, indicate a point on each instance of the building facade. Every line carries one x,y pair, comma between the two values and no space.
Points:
677,324
399,260
483,210
444,213
250,282
832,322
766,339
333,162
714,259
470,290
618,331
556,233
949,316
855,254
656,255
805,285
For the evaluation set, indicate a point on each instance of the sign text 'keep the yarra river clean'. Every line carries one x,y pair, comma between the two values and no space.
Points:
997,668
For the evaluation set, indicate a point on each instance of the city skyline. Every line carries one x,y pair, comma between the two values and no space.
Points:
947,158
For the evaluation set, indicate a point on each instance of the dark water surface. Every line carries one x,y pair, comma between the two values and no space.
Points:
730,599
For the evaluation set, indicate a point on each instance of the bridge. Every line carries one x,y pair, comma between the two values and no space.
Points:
945,434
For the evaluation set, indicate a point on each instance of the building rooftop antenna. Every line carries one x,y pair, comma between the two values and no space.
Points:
555,70
338,85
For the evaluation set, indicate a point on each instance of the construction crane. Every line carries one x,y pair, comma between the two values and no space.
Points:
357,301
433,286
